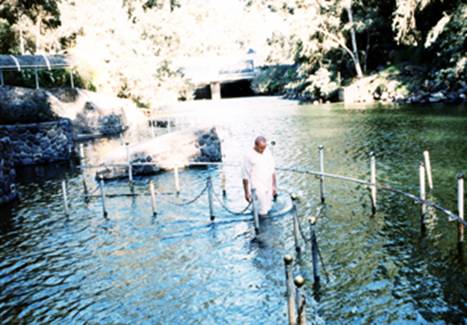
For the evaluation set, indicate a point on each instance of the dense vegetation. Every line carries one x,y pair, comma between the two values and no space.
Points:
133,48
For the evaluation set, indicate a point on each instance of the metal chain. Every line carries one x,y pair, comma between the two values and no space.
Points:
181,204
226,208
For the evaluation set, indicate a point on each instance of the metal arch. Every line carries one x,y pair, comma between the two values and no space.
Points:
47,62
18,67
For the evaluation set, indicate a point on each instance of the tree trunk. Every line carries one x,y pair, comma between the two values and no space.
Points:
367,51
353,37
21,41
38,35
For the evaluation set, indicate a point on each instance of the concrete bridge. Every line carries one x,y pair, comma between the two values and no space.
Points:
215,71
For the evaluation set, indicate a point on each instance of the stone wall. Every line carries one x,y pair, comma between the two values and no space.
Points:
7,172
39,143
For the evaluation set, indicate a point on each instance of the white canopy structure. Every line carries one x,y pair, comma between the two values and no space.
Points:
35,62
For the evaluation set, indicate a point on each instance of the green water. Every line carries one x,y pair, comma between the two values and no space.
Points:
179,268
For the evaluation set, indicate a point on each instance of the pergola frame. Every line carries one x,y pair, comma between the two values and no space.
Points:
35,62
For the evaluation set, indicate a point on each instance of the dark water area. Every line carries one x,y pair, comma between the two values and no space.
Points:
180,268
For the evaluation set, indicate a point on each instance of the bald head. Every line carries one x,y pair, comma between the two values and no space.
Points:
260,139
260,144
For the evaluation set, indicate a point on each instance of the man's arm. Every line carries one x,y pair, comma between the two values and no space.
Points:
274,188
246,190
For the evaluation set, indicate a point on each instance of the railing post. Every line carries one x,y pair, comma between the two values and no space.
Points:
85,189
177,180
82,156
36,78
152,126
321,169
314,250
273,143
211,207
373,182
460,205
153,198
301,301
288,260
2,80
65,197
422,196
223,183
101,185
255,209
426,156
130,167
296,230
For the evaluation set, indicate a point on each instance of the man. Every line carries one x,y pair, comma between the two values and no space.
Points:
258,173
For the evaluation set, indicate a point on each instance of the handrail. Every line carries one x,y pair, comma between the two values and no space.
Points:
381,186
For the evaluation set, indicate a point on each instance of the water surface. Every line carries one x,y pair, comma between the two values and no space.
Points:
181,268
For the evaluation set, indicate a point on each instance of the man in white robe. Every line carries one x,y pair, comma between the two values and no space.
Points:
258,172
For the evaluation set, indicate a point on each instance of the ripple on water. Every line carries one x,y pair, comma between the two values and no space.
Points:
180,268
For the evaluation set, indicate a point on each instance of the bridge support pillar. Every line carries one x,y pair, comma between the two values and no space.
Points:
215,90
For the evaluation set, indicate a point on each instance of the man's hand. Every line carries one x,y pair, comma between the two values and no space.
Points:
247,196
274,187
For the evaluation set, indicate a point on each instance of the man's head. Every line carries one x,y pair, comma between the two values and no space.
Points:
260,144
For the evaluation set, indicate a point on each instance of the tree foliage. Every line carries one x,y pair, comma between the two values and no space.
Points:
135,48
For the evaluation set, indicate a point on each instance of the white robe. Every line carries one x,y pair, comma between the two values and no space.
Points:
258,169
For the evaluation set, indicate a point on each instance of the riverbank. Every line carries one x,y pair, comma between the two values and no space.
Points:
406,84
395,84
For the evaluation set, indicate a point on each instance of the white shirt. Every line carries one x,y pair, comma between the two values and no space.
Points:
258,169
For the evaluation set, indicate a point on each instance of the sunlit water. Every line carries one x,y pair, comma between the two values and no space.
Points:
181,268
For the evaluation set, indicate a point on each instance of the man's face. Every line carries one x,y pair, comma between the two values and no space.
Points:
260,146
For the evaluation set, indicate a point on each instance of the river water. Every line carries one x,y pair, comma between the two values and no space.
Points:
181,268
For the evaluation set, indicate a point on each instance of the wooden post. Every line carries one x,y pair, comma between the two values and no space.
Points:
65,197
321,169
422,195
130,167
153,198
426,156
373,182
101,185
296,230
177,180
255,210
460,205
301,301
36,77
211,207
288,260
